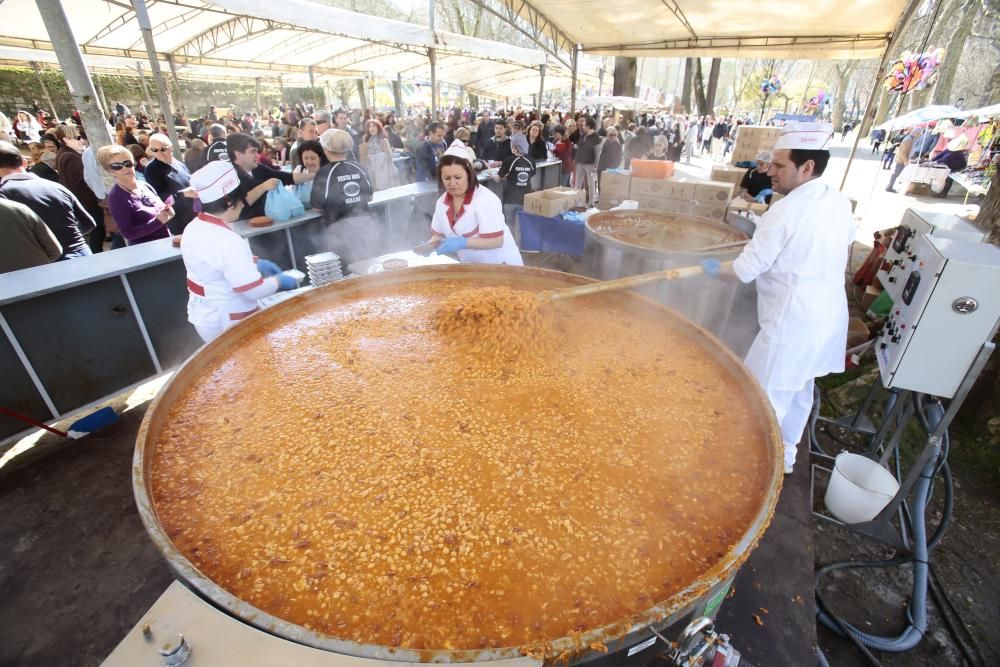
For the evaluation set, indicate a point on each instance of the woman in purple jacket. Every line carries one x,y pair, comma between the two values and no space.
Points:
139,213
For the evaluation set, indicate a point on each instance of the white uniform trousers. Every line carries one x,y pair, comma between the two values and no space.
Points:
792,410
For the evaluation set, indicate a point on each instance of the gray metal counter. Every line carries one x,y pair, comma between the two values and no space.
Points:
79,331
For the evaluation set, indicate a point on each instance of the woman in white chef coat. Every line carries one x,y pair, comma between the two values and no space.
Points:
224,279
468,219
798,257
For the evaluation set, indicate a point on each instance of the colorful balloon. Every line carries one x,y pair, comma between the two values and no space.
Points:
913,71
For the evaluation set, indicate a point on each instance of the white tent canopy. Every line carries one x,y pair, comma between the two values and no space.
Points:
747,29
992,111
921,116
299,40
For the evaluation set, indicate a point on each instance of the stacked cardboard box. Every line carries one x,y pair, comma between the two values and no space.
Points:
615,186
728,174
707,199
553,201
740,204
753,138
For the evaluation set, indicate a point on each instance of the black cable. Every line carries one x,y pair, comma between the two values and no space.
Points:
949,614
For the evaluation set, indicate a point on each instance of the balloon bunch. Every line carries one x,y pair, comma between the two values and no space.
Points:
771,86
816,101
913,71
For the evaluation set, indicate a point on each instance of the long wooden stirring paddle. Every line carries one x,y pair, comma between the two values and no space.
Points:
625,283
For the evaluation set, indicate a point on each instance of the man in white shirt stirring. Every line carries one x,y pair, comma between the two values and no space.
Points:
798,257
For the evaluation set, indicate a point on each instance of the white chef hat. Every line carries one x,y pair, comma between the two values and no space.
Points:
805,136
214,181
458,149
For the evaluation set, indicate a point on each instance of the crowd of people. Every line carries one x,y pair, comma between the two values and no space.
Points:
920,145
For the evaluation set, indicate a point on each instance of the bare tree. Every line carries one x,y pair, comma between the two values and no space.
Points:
840,94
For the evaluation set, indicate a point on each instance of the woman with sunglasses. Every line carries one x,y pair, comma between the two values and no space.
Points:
140,214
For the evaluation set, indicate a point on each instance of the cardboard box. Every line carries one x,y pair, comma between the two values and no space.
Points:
615,187
871,293
742,154
715,192
651,187
682,188
552,202
711,210
725,173
740,204
664,204
857,332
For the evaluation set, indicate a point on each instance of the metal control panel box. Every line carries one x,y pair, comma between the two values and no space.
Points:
948,306
896,262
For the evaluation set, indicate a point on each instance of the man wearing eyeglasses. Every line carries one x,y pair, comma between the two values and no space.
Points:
169,177
58,208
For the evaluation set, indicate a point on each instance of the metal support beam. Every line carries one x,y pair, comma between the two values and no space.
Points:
543,31
432,56
145,88
904,21
154,64
572,88
397,94
81,88
177,83
281,89
45,90
312,80
256,90
541,86
101,97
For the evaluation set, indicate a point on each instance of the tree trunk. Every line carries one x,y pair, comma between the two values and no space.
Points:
624,83
686,95
886,103
989,212
625,75
946,75
839,95
713,82
992,91
699,89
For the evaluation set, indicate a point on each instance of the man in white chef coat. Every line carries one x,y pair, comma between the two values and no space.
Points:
798,256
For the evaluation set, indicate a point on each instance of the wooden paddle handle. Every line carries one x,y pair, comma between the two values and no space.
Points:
626,283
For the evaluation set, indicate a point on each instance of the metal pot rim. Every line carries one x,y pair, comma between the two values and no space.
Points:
658,253
656,615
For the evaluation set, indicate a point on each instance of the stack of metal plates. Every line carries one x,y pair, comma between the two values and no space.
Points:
324,268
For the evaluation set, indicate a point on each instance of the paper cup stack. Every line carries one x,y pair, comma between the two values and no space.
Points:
324,268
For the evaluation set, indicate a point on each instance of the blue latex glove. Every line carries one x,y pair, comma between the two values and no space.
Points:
452,244
711,266
762,196
285,281
268,268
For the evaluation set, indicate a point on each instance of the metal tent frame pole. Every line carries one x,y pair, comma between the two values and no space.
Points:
256,90
572,89
142,15
45,89
177,83
145,88
81,88
102,99
541,86
901,25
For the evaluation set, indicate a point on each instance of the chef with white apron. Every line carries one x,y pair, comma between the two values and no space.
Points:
798,256
468,218
224,279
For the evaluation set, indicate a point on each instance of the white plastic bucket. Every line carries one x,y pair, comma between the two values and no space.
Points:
859,489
